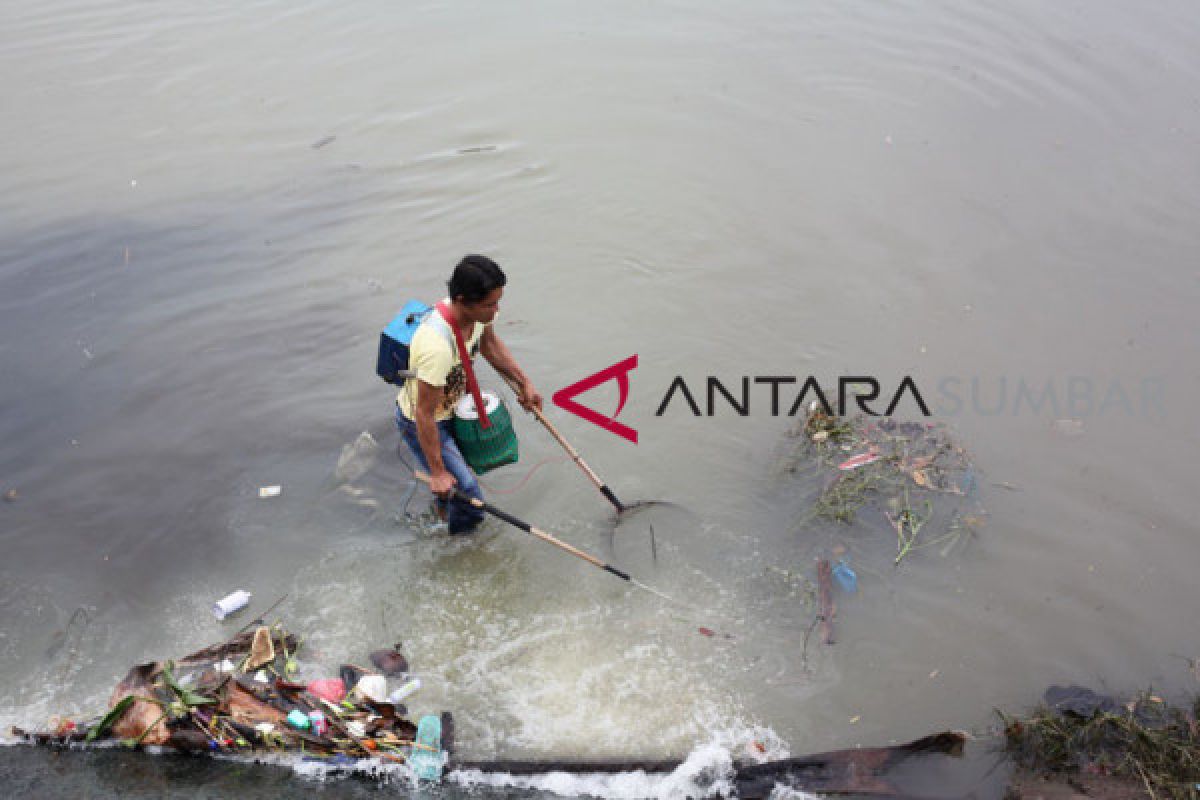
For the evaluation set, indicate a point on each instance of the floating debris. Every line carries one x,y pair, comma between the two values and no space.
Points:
904,471
847,579
1079,736
825,607
908,524
237,696
230,603
861,460
390,662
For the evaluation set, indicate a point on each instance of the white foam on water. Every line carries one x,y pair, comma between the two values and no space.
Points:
781,792
707,771
385,772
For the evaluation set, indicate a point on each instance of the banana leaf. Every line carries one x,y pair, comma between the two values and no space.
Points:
189,698
105,725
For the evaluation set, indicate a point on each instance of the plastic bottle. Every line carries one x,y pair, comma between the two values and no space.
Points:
845,576
298,720
234,601
403,691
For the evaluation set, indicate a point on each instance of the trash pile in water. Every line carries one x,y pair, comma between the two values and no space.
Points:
902,469
240,696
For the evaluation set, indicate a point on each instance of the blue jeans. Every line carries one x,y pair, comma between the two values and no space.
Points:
461,517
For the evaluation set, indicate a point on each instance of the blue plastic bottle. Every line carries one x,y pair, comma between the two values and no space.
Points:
845,576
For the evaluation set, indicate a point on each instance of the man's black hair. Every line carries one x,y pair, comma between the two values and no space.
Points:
474,277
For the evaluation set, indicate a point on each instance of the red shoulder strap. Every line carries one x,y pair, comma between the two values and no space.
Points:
465,358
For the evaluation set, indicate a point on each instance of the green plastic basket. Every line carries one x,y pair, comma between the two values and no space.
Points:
486,449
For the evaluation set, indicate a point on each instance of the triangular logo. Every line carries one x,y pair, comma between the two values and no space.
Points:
620,371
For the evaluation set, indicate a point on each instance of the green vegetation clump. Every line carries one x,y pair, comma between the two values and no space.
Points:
913,476
1145,740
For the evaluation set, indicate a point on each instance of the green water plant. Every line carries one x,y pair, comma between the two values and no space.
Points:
1146,740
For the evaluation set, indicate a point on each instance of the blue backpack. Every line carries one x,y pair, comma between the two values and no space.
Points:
394,342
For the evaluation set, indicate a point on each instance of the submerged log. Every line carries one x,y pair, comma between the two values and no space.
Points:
854,771
1099,787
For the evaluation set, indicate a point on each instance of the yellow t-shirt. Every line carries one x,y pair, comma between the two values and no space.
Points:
433,357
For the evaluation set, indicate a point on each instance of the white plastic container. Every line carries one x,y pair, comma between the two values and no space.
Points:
234,601
465,408
372,687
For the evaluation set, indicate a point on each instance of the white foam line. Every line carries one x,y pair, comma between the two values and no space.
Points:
707,772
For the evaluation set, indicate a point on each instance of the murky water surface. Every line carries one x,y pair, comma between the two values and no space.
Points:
210,212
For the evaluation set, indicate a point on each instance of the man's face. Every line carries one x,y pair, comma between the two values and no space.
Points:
486,309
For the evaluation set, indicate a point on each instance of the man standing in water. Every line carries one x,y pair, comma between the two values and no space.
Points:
425,404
